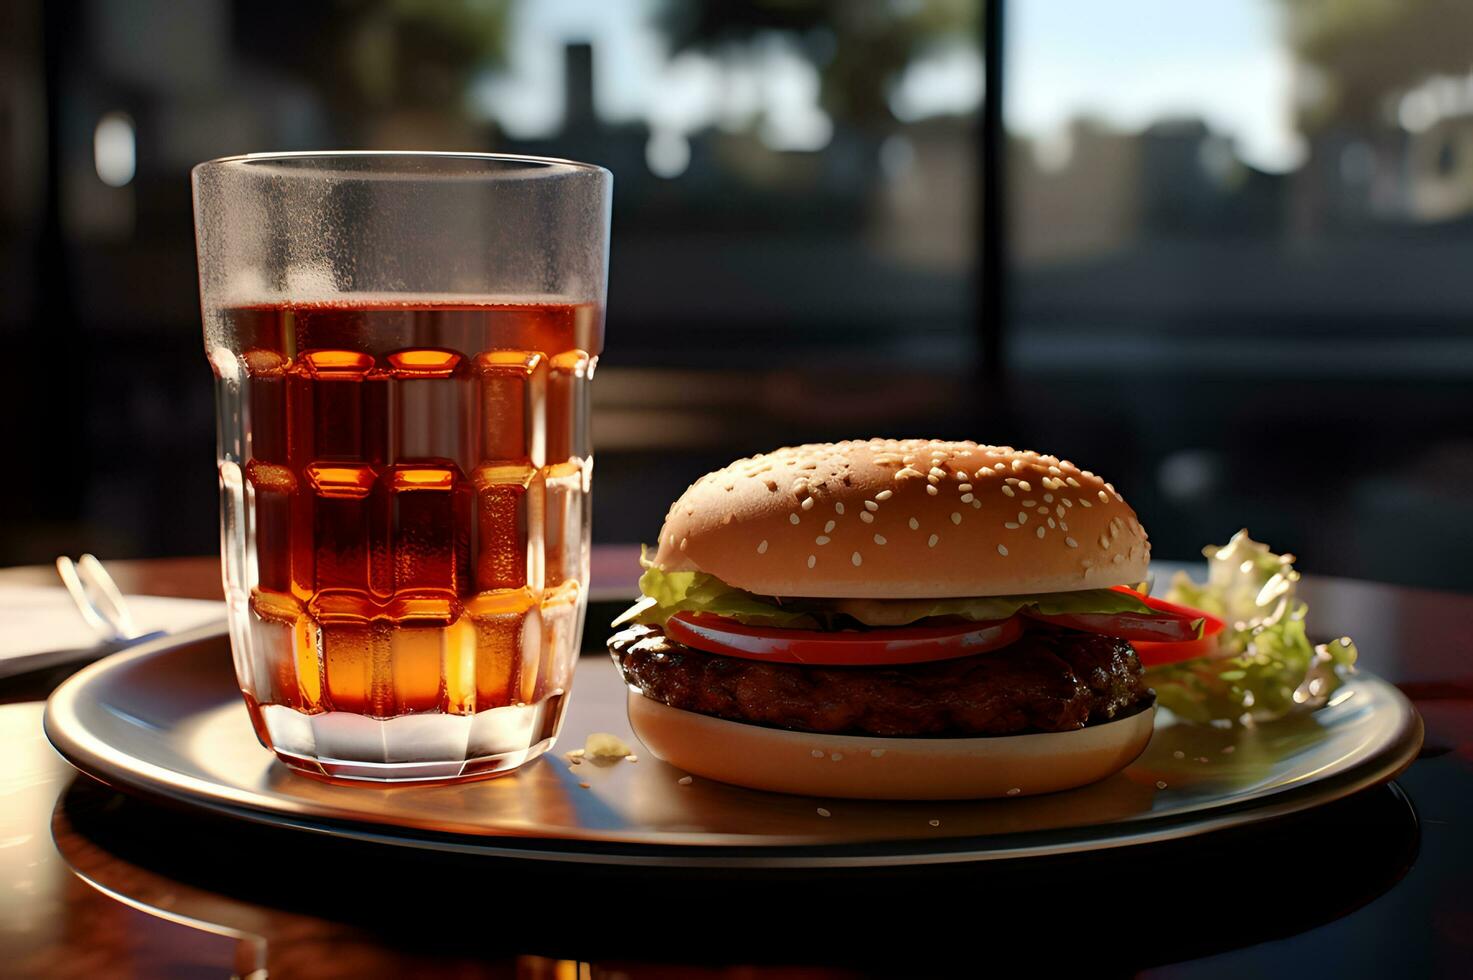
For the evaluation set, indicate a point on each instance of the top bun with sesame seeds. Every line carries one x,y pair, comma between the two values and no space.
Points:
917,518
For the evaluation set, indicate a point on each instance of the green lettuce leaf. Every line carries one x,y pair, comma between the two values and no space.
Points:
667,593
1265,666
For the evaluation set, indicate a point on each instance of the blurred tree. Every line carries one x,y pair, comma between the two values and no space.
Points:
1365,52
859,47
422,52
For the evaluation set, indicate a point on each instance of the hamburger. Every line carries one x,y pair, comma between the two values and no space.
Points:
895,619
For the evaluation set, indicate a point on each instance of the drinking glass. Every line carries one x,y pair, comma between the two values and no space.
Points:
402,346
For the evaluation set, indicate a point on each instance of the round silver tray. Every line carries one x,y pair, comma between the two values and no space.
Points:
166,721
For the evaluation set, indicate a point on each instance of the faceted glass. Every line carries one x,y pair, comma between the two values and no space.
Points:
402,347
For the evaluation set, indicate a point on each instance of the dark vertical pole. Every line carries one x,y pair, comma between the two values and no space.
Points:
992,225
59,428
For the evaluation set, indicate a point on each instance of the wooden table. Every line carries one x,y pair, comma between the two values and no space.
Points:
93,883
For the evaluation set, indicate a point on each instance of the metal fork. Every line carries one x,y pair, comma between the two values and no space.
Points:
98,599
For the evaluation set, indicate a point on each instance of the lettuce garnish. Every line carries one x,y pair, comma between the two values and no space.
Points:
667,593
1265,667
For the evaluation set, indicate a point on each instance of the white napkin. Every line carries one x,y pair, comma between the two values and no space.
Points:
36,623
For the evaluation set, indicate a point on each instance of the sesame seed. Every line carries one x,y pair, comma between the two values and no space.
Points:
1067,502
685,780
931,489
966,498
1014,791
876,753
976,504
1030,503
1048,498
1062,525
1087,563
1104,497
867,517
1009,491
1043,510
1118,558
812,560
856,559
956,517
839,507
1071,542
879,539
1022,517
998,466
682,544
1042,530
1002,550
934,823
1011,525
1160,784
793,518
871,506
1085,503
821,539
960,474
915,525
884,494
965,487
837,757
1025,486
817,753
931,541
1104,541
807,503
828,527
937,471
1071,481
824,813
1050,523
762,548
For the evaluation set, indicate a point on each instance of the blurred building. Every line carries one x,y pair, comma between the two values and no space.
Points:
1234,242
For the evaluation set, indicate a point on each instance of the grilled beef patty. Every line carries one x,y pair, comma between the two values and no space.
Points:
1049,680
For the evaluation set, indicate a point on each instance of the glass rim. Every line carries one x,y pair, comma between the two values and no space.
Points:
554,164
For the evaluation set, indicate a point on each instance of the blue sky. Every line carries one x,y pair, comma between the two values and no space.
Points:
1129,62
1134,61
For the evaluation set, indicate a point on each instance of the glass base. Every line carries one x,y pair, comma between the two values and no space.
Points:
484,767
423,747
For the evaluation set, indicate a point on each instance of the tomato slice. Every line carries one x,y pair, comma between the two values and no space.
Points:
1159,654
841,648
1166,623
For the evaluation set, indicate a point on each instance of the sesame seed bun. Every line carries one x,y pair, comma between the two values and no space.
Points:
864,767
887,519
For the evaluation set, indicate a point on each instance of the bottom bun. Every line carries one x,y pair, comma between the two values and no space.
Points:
865,767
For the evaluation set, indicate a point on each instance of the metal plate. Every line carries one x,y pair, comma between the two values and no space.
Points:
166,721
